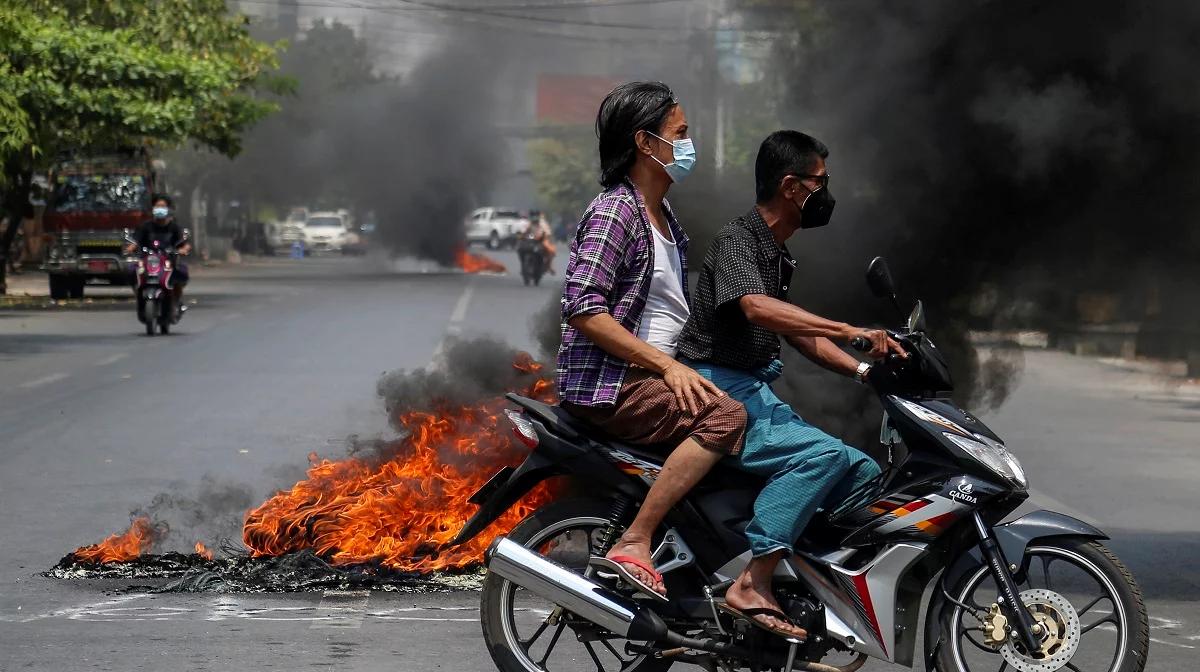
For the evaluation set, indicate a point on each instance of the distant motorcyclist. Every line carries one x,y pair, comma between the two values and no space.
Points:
162,228
539,230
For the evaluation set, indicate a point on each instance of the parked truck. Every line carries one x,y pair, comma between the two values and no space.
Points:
92,201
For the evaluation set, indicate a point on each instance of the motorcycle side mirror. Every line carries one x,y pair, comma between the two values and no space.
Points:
879,279
187,235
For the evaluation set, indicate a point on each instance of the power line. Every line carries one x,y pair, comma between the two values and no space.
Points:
496,13
478,20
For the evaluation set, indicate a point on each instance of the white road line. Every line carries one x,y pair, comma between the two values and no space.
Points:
113,359
1163,641
341,609
454,328
44,380
58,613
460,308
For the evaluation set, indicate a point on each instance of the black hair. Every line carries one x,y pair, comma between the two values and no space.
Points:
627,109
784,153
162,197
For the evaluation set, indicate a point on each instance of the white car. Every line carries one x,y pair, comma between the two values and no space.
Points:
494,226
325,232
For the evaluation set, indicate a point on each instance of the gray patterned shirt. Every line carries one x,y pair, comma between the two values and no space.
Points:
743,260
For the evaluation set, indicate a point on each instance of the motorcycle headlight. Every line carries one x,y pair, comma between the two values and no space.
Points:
993,455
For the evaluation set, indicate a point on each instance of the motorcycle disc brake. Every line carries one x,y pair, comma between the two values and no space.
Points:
1059,637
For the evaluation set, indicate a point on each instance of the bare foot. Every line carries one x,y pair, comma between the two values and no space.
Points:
637,548
743,595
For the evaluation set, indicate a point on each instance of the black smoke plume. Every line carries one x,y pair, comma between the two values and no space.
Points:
1022,165
414,152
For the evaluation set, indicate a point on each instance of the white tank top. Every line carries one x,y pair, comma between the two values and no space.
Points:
666,305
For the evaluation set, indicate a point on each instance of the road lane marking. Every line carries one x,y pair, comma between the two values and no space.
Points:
1163,641
341,609
59,613
113,359
454,327
44,380
460,308
1167,623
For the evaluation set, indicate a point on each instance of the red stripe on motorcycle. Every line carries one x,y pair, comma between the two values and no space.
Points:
864,594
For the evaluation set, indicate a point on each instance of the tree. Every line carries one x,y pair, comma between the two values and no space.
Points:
93,76
565,170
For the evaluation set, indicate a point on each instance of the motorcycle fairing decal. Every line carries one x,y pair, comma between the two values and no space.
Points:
936,514
631,465
929,416
864,595
847,617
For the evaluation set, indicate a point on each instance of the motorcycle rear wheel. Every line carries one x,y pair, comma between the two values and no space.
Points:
1103,595
503,604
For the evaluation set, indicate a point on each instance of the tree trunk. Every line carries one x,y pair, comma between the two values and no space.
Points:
15,207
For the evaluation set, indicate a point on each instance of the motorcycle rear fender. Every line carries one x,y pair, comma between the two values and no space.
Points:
552,457
1013,537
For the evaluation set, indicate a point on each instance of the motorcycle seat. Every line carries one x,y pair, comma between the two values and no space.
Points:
562,423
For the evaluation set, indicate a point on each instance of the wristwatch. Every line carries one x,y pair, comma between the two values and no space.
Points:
860,375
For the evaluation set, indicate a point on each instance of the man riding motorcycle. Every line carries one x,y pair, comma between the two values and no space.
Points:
164,230
732,338
539,231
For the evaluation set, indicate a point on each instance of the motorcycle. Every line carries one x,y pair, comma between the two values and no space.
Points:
934,534
154,271
533,259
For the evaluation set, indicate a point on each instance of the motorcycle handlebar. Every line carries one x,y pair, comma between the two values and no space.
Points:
860,344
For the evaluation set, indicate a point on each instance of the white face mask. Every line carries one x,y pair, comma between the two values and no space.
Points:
684,154
160,212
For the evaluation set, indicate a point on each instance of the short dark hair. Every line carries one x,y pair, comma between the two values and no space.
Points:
784,153
162,197
627,109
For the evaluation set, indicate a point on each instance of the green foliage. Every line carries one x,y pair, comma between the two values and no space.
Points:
78,75
565,166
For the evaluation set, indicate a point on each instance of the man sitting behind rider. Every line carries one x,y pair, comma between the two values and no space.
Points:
732,338
161,228
624,302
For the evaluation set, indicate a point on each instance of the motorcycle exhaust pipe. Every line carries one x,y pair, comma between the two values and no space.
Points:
577,594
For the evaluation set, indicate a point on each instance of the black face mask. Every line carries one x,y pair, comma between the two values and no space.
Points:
817,208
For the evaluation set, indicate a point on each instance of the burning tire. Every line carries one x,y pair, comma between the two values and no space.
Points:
523,632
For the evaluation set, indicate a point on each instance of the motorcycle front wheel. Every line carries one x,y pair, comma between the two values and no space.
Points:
526,633
1090,608
150,315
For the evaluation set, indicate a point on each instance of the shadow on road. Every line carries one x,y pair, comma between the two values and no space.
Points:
1165,564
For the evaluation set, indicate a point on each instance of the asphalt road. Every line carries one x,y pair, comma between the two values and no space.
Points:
280,358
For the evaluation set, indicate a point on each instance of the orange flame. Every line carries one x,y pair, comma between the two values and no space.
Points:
202,551
120,547
476,263
401,512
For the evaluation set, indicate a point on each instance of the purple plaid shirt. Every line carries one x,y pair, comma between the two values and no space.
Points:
608,271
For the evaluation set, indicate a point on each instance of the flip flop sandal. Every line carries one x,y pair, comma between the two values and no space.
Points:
749,615
613,565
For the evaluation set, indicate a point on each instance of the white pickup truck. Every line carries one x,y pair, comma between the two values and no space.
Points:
494,226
